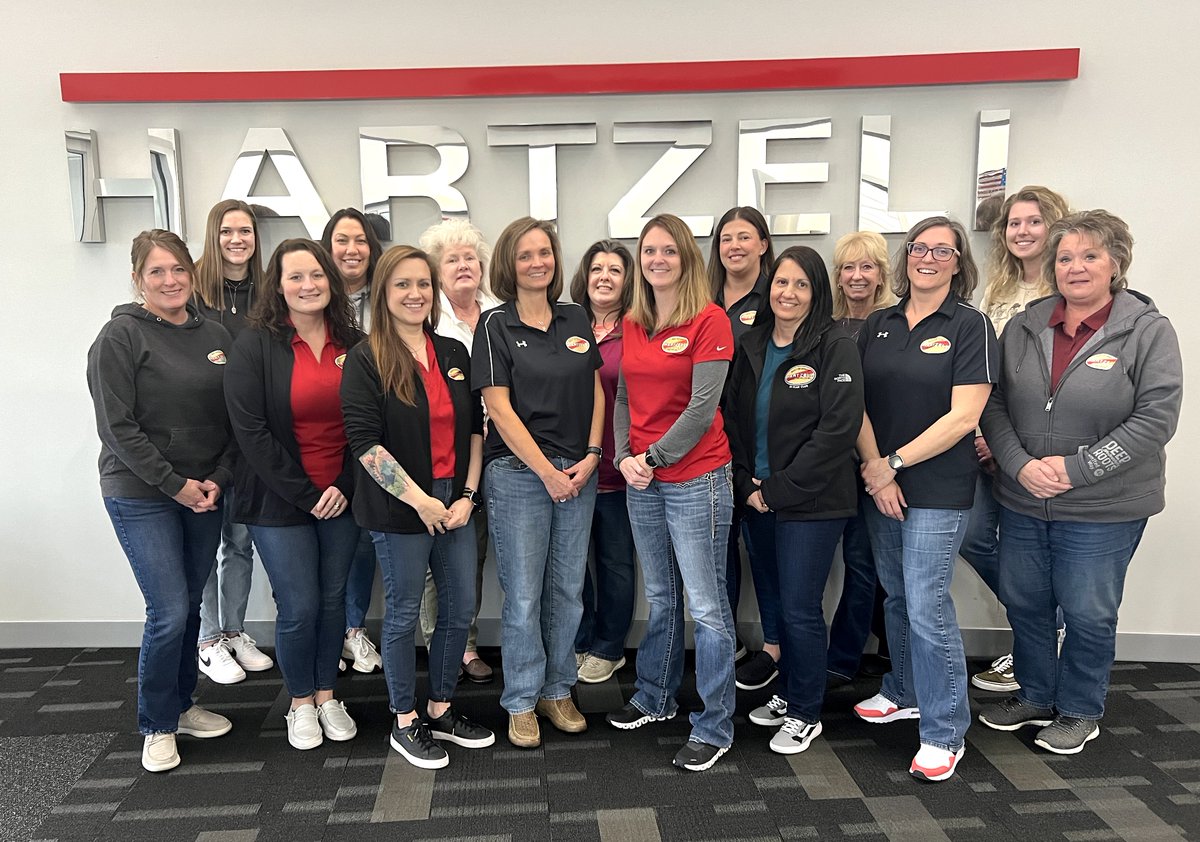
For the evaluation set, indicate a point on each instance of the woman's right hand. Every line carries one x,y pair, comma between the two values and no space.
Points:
1041,480
890,501
197,495
559,486
433,514
636,472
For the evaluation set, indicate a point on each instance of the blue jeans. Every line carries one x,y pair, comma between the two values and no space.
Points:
758,531
981,543
733,564
805,552
1080,567
608,605
171,550
541,553
681,530
450,556
307,566
915,561
223,607
852,621
360,582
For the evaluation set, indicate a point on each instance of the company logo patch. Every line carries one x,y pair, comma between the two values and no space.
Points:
578,344
799,376
675,344
747,318
455,374
339,360
936,345
1100,362
217,357
842,378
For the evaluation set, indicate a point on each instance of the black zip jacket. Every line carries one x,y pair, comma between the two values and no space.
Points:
815,415
373,418
271,487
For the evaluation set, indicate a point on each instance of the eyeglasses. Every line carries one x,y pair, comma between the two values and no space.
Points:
940,253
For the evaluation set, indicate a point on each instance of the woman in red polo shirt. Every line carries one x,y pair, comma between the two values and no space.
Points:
672,450
294,481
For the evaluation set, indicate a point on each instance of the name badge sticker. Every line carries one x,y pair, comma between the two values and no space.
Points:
217,357
578,344
799,376
675,344
456,374
747,318
936,345
1100,362
339,360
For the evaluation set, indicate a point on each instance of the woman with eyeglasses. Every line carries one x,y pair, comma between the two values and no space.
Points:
929,364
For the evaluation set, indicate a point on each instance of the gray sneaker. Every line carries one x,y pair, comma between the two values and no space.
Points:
1012,713
1067,735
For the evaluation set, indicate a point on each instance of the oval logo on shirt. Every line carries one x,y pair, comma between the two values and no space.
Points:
747,318
936,345
339,360
578,344
455,374
799,376
1100,362
675,344
217,357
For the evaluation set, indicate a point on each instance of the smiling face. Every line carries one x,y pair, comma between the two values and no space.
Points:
460,271
605,282
165,284
660,260
535,261
351,252
410,293
236,239
791,295
1025,231
1083,272
303,284
926,274
859,279
741,248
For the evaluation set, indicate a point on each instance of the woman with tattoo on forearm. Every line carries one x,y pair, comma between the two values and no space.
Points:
407,401
294,482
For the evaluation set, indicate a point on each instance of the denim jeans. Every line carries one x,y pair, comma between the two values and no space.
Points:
852,621
404,559
1080,567
227,592
758,531
541,553
681,530
733,564
608,605
805,552
307,566
429,602
171,551
360,581
981,544
915,561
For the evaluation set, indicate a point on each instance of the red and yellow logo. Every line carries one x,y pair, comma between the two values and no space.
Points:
936,345
578,344
339,360
747,318
675,344
455,374
1100,362
217,357
799,376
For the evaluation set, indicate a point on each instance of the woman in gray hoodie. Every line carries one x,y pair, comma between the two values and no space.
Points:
1089,395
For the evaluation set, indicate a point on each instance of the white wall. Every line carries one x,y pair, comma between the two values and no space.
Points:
1120,136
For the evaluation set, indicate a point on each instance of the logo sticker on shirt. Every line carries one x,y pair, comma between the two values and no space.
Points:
799,376
675,344
578,344
747,318
456,374
217,357
339,360
1100,362
936,345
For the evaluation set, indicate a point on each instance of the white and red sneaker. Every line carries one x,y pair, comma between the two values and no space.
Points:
935,764
880,709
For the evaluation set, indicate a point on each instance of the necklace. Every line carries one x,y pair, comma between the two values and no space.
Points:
232,287
540,324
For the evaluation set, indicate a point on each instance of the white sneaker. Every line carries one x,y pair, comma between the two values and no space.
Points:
794,736
595,669
935,764
771,714
359,649
335,722
217,663
198,722
158,753
879,708
304,730
247,654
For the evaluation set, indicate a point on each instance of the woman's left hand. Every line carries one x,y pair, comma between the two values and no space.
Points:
1058,464
876,474
331,504
460,512
582,470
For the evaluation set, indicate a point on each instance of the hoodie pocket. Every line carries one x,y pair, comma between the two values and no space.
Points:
196,451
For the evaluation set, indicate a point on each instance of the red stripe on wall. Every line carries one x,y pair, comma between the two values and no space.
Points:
564,79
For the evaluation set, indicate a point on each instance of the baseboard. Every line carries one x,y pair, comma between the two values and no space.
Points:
979,643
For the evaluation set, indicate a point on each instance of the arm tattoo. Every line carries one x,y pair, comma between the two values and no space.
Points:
386,471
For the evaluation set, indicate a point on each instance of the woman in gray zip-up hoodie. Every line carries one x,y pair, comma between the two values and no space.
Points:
1089,395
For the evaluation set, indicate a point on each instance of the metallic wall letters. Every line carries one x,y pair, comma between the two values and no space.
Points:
874,171
379,187
543,140
754,173
991,167
688,139
302,199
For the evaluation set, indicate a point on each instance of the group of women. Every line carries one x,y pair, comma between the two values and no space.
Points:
642,417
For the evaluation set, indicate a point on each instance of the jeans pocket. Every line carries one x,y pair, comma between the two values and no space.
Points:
509,463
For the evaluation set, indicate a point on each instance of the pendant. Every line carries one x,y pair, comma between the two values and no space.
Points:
233,309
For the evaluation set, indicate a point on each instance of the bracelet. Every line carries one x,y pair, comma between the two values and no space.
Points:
596,451
472,495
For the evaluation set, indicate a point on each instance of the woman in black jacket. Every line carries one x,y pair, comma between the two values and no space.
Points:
793,408
296,475
406,396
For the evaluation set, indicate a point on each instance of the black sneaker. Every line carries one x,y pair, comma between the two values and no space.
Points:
459,730
630,717
696,756
417,746
757,672
1012,713
1067,734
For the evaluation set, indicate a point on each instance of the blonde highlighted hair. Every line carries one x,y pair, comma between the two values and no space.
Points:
1005,271
398,371
694,292
852,248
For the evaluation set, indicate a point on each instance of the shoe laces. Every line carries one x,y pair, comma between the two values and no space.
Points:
362,644
247,641
222,653
1003,664
422,737
777,704
793,727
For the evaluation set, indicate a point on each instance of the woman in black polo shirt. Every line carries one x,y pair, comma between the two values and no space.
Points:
928,366
537,364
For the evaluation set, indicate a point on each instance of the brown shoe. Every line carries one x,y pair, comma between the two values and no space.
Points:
562,714
523,730
477,671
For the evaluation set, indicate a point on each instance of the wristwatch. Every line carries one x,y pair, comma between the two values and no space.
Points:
596,451
894,461
650,460
472,495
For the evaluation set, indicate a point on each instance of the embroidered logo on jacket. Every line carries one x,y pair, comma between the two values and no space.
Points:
799,376
936,345
675,344
578,344
339,360
455,374
842,378
217,357
1100,362
747,318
